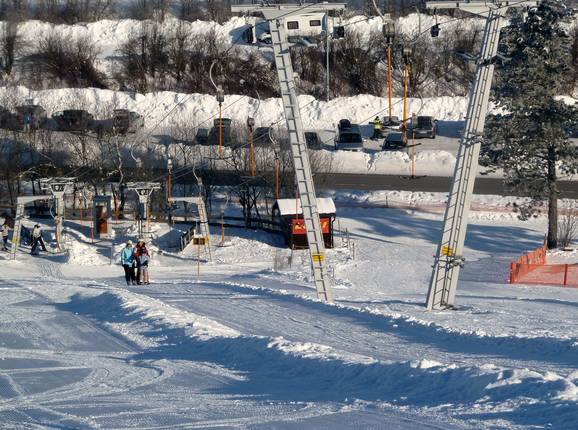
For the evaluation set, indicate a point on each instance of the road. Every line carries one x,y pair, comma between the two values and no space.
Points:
568,189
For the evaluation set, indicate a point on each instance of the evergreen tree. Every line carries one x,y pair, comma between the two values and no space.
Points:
528,140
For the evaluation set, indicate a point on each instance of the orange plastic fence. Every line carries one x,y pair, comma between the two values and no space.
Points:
527,263
532,269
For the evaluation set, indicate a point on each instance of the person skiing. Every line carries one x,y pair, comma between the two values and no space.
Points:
376,128
37,239
5,229
128,262
143,263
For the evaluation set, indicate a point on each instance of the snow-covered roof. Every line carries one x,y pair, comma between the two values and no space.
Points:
325,205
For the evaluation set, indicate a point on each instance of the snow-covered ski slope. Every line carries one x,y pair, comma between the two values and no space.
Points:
243,346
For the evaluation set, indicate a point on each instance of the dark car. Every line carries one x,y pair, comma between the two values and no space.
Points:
313,140
350,139
28,117
73,120
224,129
394,140
394,124
261,136
5,116
426,127
125,121
202,136
344,124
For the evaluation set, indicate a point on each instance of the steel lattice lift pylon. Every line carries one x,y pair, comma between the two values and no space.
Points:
449,258
276,16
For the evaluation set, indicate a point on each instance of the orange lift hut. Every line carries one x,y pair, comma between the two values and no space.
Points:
288,213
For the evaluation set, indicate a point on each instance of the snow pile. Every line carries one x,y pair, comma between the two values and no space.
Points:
81,253
169,109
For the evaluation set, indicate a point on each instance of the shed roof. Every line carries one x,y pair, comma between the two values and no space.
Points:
325,205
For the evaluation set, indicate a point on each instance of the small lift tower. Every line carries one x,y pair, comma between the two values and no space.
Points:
449,258
276,16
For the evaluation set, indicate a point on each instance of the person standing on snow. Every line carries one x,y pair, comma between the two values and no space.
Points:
128,262
5,229
376,129
143,262
37,239
136,260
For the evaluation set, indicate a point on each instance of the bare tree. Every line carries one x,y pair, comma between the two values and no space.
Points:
11,44
568,227
191,10
70,62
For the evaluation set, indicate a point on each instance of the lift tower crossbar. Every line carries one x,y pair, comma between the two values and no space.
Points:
276,16
449,259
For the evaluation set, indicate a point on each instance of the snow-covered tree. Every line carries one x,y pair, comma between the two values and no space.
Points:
529,140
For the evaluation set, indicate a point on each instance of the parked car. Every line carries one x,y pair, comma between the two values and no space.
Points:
202,136
313,140
125,121
426,127
5,116
350,139
344,124
30,117
395,123
73,120
394,140
227,139
261,136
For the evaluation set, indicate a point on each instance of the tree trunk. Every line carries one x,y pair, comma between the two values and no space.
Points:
552,240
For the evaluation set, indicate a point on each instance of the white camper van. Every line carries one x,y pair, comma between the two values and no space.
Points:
305,29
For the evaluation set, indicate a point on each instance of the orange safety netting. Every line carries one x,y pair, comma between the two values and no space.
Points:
532,269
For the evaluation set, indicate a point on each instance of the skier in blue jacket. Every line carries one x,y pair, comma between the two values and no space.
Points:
128,263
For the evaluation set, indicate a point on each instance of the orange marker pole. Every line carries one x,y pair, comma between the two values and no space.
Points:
277,178
220,132
252,153
405,79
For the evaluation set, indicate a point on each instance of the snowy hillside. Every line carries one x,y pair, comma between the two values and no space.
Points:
243,346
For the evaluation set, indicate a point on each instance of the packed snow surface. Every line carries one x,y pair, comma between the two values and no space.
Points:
245,343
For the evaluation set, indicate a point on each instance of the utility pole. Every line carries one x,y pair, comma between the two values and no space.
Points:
169,188
412,154
250,127
326,57
407,51
220,100
389,34
276,16
449,256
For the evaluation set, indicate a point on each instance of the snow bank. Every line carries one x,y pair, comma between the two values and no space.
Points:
169,109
